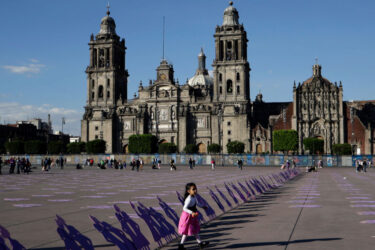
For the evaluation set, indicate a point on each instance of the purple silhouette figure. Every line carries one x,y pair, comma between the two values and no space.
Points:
168,232
144,213
223,197
207,208
72,238
113,235
131,228
216,199
169,211
253,193
243,198
245,190
5,235
231,194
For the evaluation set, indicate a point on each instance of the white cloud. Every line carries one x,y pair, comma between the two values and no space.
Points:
31,68
34,60
10,112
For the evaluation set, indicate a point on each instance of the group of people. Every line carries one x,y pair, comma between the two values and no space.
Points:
48,163
362,165
21,164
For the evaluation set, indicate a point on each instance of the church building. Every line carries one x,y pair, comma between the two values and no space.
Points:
213,109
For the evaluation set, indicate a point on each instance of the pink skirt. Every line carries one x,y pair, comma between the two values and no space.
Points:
188,224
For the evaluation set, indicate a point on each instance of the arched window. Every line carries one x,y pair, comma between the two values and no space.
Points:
238,89
221,90
108,83
108,94
93,95
92,84
100,91
220,77
229,87
238,77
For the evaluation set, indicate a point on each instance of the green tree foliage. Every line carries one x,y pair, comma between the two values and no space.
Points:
96,146
15,147
191,149
35,147
342,149
235,147
76,147
56,147
285,140
214,148
314,145
143,144
167,148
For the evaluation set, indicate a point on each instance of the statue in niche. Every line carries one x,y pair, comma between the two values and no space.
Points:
173,114
166,93
152,115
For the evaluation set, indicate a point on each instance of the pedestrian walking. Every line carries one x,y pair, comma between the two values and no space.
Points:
1,164
173,166
189,224
239,163
141,164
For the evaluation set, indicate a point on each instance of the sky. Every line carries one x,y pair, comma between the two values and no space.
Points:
44,48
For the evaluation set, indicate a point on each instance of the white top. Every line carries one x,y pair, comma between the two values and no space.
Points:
189,202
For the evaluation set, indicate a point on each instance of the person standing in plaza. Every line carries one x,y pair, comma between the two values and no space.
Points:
141,164
189,223
239,163
212,164
159,164
137,163
364,164
190,163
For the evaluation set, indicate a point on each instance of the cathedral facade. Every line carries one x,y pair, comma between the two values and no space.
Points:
211,109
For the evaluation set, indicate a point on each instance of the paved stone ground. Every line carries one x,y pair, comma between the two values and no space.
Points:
331,209
29,203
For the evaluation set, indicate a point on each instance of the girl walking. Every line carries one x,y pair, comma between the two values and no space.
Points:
189,223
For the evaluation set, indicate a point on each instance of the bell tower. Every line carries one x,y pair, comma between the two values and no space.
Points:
106,73
106,85
231,69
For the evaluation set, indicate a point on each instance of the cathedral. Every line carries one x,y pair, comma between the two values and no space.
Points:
214,109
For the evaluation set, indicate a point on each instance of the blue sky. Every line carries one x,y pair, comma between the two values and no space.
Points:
44,51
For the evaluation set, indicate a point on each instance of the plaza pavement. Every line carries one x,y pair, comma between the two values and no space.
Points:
29,203
331,209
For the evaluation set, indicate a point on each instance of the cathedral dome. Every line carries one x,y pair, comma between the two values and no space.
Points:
230,15
201,76
107,25
200,80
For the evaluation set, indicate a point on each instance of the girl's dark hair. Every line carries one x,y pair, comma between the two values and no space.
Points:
187,188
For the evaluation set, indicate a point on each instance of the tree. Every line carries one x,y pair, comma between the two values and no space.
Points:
285,140
56,147
143,144
76,147
96,146
191,149
314,145
214,148
235,147
167,148
35,147
342,149
15,147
